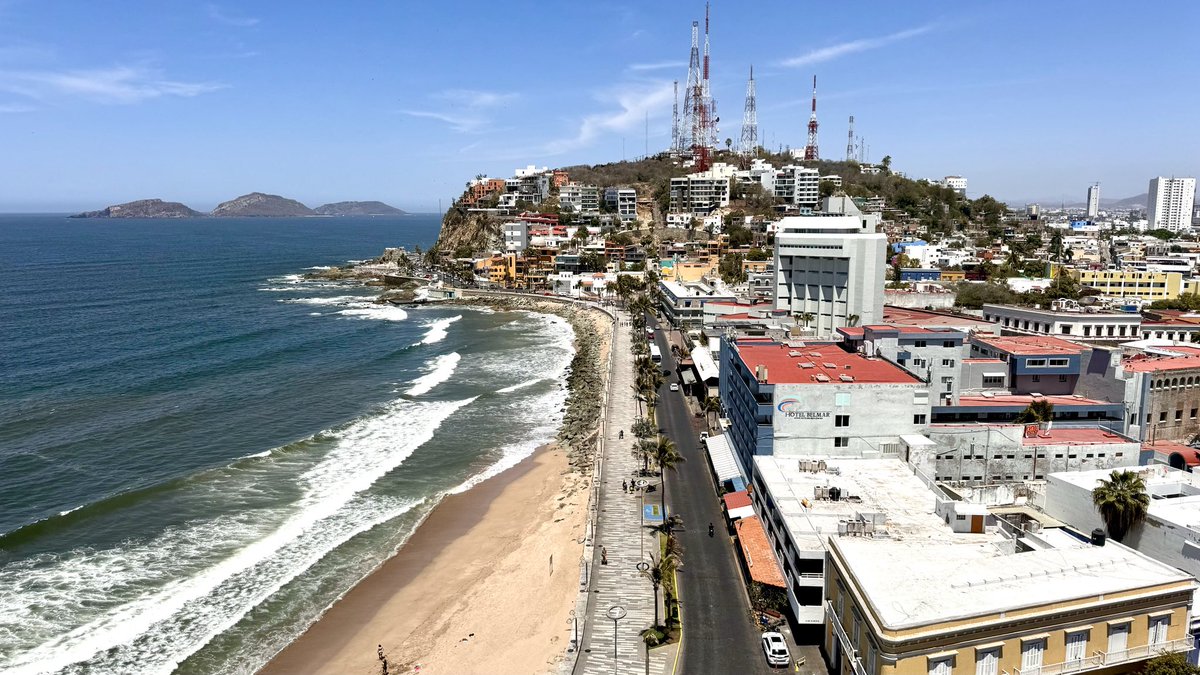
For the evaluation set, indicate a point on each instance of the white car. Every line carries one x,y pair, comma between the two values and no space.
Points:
674,386
775,648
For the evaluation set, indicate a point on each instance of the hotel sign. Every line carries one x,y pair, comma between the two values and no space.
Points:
790,408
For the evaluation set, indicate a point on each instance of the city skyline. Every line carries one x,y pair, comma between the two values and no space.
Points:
201,102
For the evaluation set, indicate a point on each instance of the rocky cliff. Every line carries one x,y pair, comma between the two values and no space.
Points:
143,208
257,204
466,233
358,209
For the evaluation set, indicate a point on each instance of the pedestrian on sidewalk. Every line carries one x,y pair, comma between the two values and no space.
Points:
603,556
624,487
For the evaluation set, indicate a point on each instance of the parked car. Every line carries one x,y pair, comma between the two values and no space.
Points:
775,649
703,435
674,386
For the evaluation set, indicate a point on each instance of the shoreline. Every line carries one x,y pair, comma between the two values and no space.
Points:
455,597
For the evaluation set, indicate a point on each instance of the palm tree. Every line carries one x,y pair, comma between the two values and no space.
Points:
712,404
852,320
661,567
1122,502
667,457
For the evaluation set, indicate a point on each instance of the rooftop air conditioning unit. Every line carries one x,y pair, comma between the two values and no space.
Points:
846,378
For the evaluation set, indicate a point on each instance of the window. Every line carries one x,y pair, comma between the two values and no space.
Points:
949,343
841,442
1076,645
1158,629
1193,415
1062,378
918,363
1059,363
1118,640
1162,417
941,666
841,399
993,381
841,420
949,363
987,661
1037,378
919,343
919,419
1035,363
1179,415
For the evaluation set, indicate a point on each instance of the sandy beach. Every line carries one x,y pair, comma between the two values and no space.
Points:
485,585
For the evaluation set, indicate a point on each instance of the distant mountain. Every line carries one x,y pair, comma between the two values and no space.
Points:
143,208
257,204
358,209
1136,200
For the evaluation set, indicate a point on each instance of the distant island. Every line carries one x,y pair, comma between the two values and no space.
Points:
253,205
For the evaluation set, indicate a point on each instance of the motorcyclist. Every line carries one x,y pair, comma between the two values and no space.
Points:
711,531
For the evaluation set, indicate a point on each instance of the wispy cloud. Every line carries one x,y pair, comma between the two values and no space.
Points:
13,108
117,85
853,47
661,65
217,14
468,108
631,105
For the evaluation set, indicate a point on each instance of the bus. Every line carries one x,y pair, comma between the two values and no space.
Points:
655,354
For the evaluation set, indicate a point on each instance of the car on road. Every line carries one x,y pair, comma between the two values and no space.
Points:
775,649
674,386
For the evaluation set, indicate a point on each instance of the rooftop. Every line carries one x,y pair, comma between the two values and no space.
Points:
1161,363
736,500
903,316
1031,345
1023,400
1164,450
1176,494
764,568
1031,434
820,363
915,583
1134,318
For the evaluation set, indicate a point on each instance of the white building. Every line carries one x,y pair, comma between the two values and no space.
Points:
831,267
699,194
623,200
683,303
1093,201
975,454
798,185
1070,322
581,199
761,172
1170,203
516,236
956,183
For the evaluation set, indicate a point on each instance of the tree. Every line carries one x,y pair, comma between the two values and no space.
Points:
974,295
731,269
711,405
757,255
852,320
1056,246
1173,663
1040,410
1122,502
887,163
666,458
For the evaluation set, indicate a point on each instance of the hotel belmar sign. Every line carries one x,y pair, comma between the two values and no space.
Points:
790,408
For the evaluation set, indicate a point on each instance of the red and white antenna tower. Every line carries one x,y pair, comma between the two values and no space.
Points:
704,121
810,150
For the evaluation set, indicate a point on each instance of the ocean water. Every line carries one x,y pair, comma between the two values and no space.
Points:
199,451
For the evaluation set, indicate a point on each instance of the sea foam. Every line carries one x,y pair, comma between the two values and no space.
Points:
438,330
441,370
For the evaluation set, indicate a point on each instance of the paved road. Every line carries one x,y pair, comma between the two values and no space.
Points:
718,634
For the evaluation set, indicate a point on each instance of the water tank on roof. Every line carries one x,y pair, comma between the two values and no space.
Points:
1098,537
835,493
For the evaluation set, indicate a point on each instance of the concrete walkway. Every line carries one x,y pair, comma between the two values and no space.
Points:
621,538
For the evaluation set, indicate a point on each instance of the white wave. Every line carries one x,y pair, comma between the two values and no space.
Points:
256,554
287,279
320,267
330,300
377,312
441,370
546,408
63,513
277,289
438,330
522,385
315,314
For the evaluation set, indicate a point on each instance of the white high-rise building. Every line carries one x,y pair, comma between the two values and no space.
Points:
831,267
1170,202
1093,202
956,183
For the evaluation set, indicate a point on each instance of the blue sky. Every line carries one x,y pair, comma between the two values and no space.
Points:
199,102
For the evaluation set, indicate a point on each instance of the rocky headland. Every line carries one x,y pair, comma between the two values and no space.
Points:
358,209
255,204
143,208
261,205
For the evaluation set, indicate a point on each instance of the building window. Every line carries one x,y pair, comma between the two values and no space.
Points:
1059,363
1031,654
841,442
987,662
1076,645
949,363
1062,378
949,343
941,666
1035,363
1162,417
919,343
919,419
1037,378
841,420
993,381
1158,629
1179,416
1193,415
1118,640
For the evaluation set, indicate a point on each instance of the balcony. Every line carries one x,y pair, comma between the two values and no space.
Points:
848,651
1102,659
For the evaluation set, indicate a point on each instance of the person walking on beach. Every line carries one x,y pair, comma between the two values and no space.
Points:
603,556
624,486
380,652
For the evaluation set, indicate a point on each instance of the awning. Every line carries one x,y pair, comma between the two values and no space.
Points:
720,456
996,374
756,548
687,377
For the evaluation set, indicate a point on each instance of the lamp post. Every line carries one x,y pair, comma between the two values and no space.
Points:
616,613
642,483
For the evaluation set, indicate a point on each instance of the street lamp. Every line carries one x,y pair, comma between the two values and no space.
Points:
616,613
642,483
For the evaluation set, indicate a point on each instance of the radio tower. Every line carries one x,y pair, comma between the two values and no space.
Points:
749,141
850,141
687,131
810,150
702,132
710,106
675,147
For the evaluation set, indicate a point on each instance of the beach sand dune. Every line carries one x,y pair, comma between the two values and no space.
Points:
485,585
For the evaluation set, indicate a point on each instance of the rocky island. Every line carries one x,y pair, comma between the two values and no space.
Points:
143,208
260,205
358,209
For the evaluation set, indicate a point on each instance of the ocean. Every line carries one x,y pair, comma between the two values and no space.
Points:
200,450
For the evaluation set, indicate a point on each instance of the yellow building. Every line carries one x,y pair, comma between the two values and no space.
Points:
1043,604
953,275
689,271
1136,284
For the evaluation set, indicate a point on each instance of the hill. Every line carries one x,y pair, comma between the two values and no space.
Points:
143,208
358,209
260,205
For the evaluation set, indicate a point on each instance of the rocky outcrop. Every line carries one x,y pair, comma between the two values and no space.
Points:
257,204
143,208
358,209
466,233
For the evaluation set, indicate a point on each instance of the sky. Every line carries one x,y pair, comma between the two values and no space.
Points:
403,102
